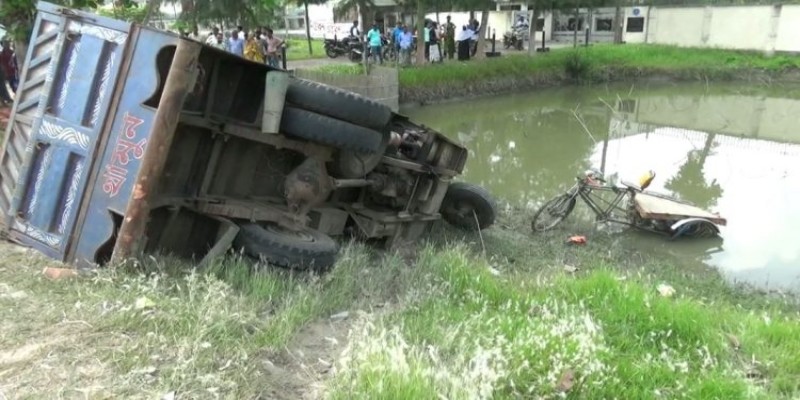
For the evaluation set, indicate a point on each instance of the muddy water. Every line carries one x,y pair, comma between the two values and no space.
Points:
729,148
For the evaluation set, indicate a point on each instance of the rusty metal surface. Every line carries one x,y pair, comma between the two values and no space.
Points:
180,81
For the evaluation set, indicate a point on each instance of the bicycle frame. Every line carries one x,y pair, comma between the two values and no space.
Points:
584,189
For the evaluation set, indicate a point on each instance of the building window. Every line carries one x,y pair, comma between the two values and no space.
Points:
540,24
571,24
635,24
510,7
603,24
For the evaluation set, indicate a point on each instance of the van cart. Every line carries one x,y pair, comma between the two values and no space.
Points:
125,139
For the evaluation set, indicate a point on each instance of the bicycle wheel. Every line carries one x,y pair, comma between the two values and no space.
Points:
557,210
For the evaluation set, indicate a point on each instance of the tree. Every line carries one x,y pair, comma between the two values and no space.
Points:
361,6
305,4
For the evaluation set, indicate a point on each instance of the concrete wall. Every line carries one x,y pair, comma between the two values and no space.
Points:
760,28
759,117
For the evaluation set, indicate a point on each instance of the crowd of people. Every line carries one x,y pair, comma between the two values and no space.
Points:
260,45
440,41
9,72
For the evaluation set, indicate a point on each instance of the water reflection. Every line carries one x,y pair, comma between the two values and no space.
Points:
731,149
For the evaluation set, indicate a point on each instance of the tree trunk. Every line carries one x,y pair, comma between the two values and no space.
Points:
152,6
575,28
618,24
420,32
308,29
481,53
532,31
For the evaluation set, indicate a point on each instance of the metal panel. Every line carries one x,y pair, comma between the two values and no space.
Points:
118,163
73,61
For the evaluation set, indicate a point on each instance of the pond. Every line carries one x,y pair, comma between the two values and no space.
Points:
733,149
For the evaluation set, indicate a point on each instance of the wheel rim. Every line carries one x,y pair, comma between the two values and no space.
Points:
557,210
299,235
462,212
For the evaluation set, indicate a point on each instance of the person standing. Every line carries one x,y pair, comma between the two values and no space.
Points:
252,48
426,34
375,43
211,40
8,62
236,44
406,41
273,46
450,38
435,52
354,32
397,34
219,41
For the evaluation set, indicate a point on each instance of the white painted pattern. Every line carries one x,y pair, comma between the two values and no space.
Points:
102,91
73,59
44,237
37,186
106,34
65,134
72,191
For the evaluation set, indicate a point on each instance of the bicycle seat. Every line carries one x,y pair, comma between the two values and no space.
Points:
631,185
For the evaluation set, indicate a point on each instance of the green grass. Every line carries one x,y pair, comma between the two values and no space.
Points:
298,49
450,321
471,334
594,59
587,63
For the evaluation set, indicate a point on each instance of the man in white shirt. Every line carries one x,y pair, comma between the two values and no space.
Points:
212,37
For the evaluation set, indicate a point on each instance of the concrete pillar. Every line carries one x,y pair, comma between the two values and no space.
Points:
772,36
706,29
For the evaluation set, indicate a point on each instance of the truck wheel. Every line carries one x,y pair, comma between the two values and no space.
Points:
338,103
304,249
463,202
348,164
326,130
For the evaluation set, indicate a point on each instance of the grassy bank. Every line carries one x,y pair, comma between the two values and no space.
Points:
595,64
297,49
529,318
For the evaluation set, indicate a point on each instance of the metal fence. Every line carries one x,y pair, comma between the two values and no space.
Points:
381,84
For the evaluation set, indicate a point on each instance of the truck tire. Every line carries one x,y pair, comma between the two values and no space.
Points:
461,200
326,130
347,164
304,249
338,103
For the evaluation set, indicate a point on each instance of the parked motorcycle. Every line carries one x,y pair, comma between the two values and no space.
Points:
515,38
335,48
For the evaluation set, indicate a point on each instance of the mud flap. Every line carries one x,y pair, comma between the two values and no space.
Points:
277,83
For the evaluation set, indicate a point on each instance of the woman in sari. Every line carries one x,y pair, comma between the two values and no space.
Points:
252,48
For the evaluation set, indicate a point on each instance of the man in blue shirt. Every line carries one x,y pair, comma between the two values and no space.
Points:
375,43
397,33
236,44
406,41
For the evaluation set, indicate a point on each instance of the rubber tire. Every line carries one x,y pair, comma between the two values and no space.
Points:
570,207
348,164
285,250
326,130
338,103
478,198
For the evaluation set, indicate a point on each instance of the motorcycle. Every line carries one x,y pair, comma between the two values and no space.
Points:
515,38
334,48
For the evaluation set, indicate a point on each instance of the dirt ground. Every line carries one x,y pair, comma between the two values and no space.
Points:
57,342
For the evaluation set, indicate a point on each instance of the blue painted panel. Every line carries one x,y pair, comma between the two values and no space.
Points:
83,72
82,81
53,185
120,161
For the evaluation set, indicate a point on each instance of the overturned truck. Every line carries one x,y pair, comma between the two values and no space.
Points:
124,139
